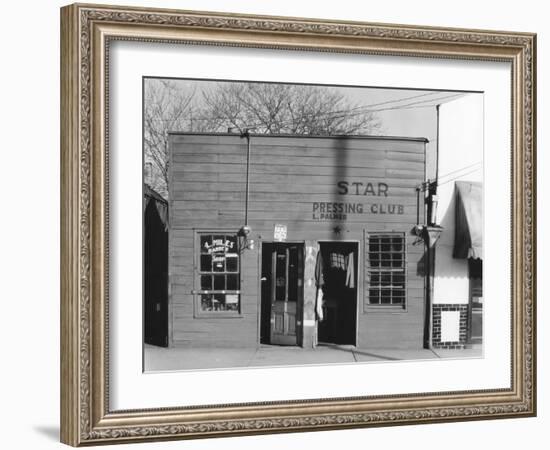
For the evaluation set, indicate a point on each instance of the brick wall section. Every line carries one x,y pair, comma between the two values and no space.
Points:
436,332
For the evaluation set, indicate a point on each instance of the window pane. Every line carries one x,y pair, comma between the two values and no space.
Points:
280,289
397,261
386,269
397,244
293,274
206,263
232,262
375,279
206,302
206,282
232,282
374,259
231,241
219,271
218,242
231,302
218,263
206,242
398,279
219,282
280,275
218,302
398,296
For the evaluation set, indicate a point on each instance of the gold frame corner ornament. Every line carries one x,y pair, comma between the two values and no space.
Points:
86,31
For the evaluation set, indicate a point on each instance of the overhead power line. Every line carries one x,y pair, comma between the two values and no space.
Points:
458,176
459,170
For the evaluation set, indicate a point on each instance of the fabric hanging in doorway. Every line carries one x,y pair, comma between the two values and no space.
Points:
319,304
350,271
344,262
336,261
319,270
319,282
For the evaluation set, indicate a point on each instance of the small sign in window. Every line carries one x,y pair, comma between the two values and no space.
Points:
231,299
279,233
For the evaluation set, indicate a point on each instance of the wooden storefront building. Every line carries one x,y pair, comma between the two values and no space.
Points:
296,240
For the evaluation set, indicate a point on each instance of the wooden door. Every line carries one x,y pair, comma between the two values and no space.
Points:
286,293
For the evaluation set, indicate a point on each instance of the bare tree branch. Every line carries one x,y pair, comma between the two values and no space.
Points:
294,109
260,107
166,108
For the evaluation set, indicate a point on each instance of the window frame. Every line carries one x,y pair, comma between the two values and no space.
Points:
197,273
384,307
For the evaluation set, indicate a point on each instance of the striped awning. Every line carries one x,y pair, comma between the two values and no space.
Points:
468,220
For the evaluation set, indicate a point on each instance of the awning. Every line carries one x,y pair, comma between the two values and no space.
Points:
161,204
468,220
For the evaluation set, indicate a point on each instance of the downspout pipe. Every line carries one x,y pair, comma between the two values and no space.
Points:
437,147
430,242
429,293
430,235
246,134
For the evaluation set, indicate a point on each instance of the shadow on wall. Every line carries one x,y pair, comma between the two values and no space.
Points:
421,266
340,174
50,432
447,266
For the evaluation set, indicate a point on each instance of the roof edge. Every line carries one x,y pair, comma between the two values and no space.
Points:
311,136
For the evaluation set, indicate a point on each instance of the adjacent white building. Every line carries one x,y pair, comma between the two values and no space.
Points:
454,127
457,287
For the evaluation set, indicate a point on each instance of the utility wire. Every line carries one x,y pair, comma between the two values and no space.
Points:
341,113
457,177
459,170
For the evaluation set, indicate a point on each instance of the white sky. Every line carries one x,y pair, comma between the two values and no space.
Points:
390,105
401,112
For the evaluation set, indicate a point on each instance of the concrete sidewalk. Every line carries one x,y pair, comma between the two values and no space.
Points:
166,359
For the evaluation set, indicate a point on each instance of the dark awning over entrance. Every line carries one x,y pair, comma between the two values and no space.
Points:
161,204
468,220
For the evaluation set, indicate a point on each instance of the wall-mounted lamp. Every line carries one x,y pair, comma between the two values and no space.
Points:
431,201
244,241
429,234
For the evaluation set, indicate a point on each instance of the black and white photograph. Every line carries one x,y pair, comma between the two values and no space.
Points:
278,224
302,224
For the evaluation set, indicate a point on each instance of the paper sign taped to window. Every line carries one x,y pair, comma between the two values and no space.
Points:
231,299
279,234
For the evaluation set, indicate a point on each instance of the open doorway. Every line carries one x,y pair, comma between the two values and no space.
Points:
475,329
282,293
155,272
339,269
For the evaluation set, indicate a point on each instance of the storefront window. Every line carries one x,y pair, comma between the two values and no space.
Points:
219,273
386,265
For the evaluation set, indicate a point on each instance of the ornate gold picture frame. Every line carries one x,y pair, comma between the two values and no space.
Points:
87,33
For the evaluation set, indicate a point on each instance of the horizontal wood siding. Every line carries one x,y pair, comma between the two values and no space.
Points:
292,180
